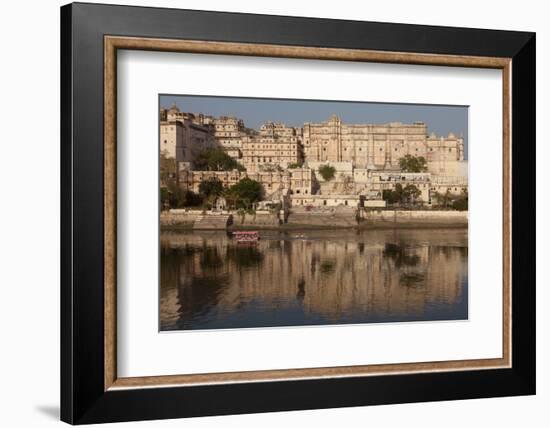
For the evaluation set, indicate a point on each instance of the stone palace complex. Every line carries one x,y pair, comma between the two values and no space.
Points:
286,160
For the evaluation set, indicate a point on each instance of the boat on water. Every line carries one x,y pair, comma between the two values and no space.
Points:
246,236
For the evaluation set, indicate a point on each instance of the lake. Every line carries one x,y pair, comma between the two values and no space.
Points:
312,277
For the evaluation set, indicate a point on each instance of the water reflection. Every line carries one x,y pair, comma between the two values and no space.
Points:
312,278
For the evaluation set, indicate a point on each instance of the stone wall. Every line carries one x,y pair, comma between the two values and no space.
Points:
324,219
179,218
259,219
378,218
329,218
402,217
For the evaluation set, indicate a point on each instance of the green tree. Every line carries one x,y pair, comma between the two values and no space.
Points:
191,199
443,199
393,196
327,172
164,198
216,160
410,163
410,193
211,187
245,192
167,169
294,165
461,203
400,195
172,196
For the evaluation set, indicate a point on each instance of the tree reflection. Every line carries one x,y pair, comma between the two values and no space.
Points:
300,294
327,267
400,255
210,258
413,279
245,256
199,295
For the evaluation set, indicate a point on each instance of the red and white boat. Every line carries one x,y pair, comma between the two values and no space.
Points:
246,236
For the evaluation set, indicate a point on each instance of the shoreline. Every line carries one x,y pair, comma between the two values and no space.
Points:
364,220
283,227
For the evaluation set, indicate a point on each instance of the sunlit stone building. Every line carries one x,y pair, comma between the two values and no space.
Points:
276,184
230,133
365,156
276,144
378,146
374,182
184,135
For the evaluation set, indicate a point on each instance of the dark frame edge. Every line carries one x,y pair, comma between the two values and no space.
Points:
66,274
524,218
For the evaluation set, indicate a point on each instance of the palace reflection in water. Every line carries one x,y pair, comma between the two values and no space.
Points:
296,278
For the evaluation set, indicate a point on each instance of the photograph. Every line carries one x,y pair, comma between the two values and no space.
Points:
294,212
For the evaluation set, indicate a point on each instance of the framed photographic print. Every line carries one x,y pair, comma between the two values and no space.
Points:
266,213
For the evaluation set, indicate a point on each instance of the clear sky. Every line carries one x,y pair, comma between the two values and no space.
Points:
440,119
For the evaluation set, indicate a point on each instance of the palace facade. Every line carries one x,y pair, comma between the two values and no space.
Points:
276,145
379,146
287,159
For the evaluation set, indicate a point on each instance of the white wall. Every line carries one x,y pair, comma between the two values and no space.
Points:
29,300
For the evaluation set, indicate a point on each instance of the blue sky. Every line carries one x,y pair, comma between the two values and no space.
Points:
440,119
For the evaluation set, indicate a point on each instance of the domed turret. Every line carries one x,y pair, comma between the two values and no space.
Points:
174,109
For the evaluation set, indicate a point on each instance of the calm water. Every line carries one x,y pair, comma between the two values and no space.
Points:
208,281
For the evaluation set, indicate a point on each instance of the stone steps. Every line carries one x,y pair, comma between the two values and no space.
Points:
213,222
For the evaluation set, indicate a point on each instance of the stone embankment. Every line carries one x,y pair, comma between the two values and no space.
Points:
323,219
204,220
414,218
179,218
213,222
365,218
259,219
